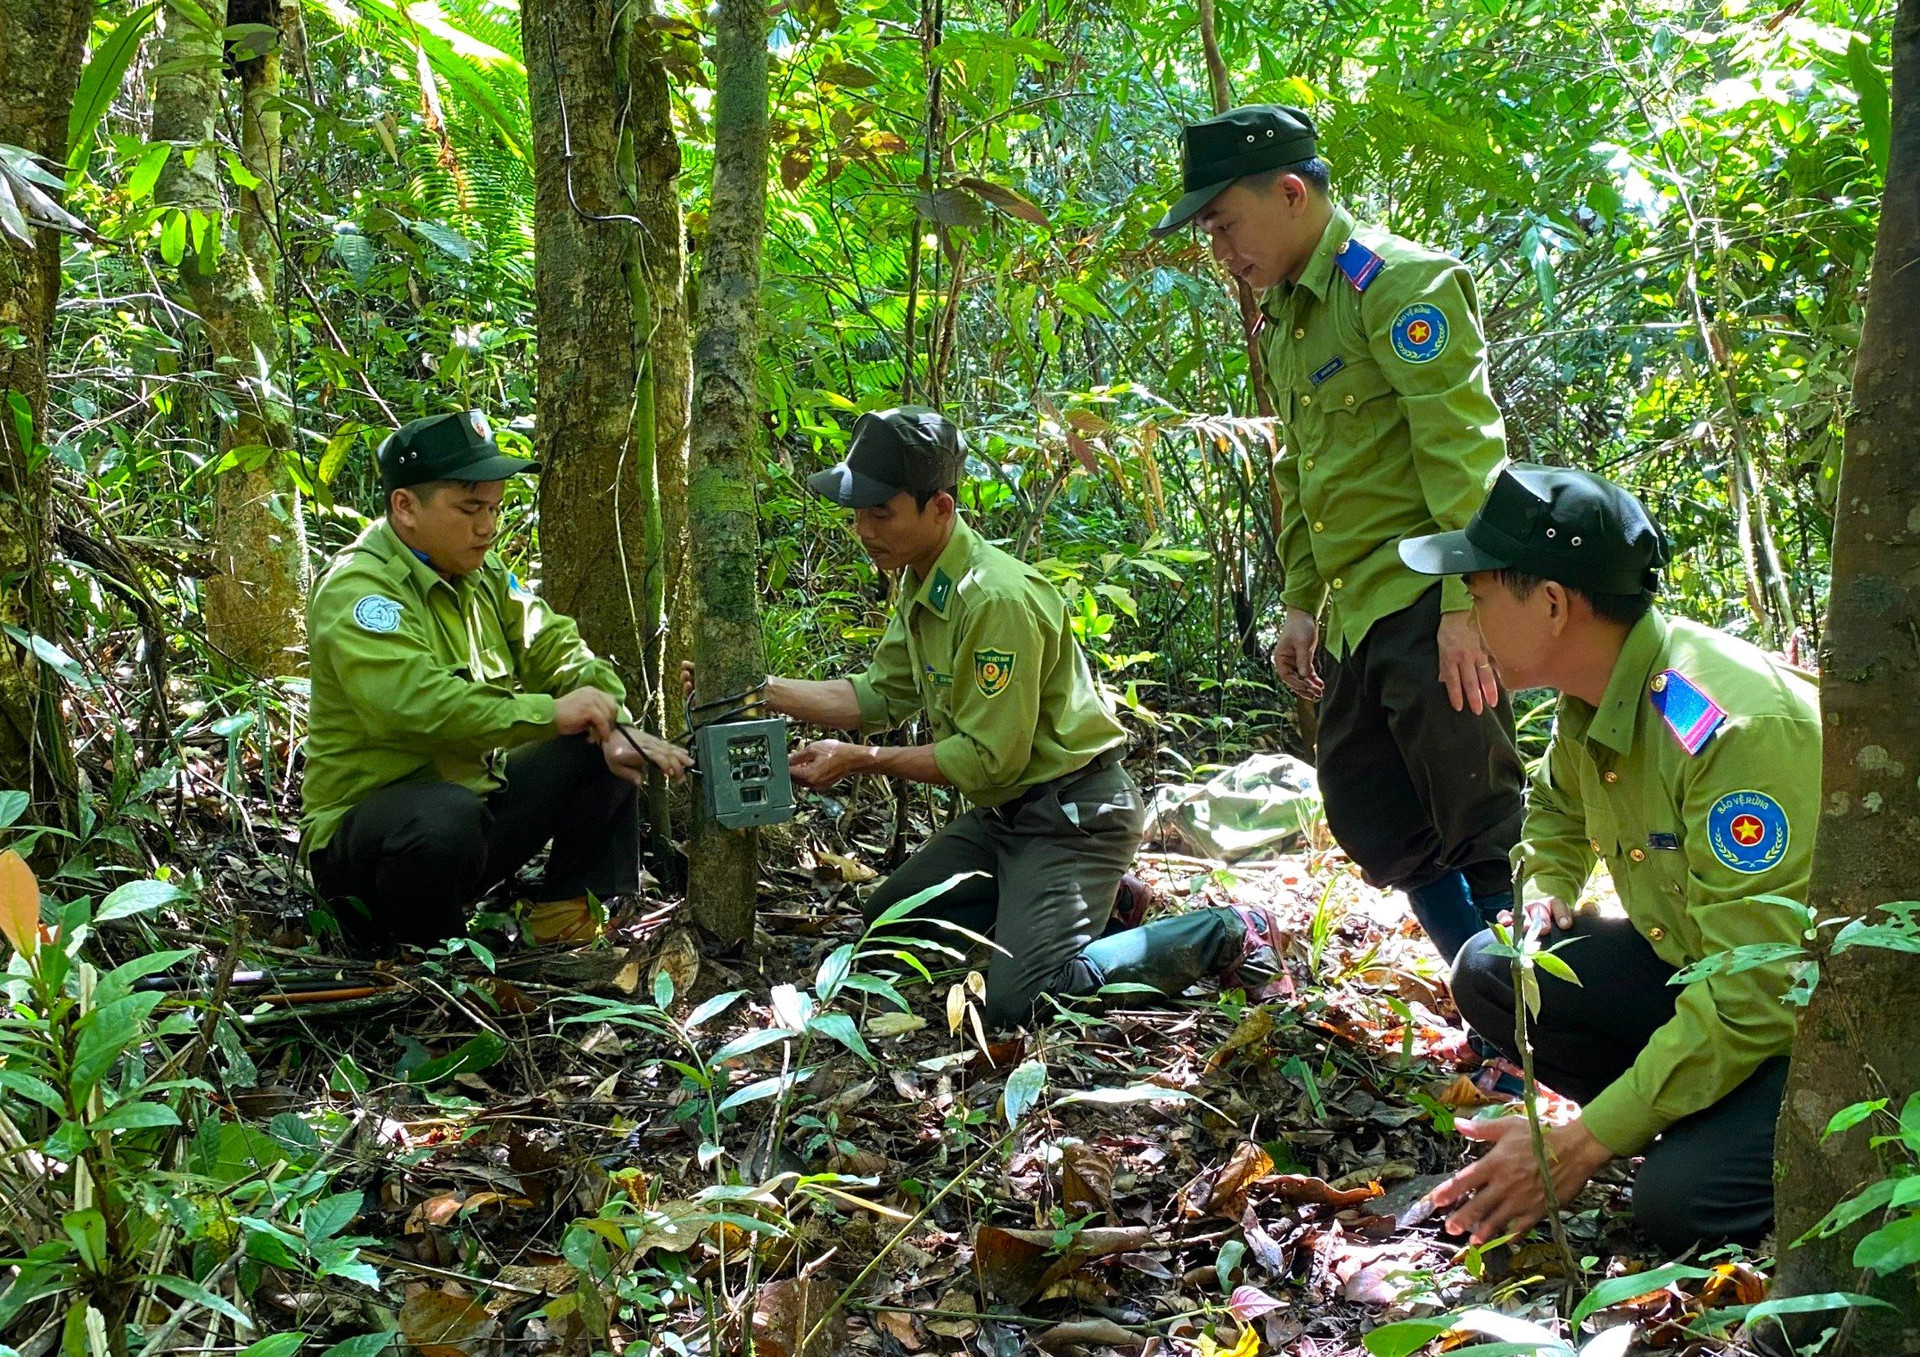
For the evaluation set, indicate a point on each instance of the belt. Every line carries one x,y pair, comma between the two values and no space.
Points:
1100,762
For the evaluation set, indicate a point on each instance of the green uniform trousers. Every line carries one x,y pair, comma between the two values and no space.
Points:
1053,859
1709,1177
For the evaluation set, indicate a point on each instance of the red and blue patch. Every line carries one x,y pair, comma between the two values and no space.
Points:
1689,713
1748,831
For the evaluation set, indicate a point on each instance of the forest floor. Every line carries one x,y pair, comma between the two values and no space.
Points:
599,1149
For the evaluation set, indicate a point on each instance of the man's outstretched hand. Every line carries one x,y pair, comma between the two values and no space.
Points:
628,753
1502,1192
824,762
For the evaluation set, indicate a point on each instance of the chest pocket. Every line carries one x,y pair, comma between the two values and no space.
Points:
1350,392
492,660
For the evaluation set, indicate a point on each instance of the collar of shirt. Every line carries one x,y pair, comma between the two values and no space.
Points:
1319,271
1612,722
936,591
424,576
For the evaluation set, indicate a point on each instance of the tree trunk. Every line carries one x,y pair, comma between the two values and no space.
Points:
723,519
41,42
255,605
664,237
1859,1038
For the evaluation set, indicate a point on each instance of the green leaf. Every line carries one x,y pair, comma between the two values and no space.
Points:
447,240
275,1345
1876,106
100,81
752,1041
32,1089
363,1345
137,897
107,1032
1848,1117
199,1295
1132,1093
1890,1248
663,989
328,1216
477,1053
1555,967
1023,1089
900,909
840,1027
1406,1337
133,1116
1616,1289
1795,1305
764,1088
952,207
713,1008
12,806
848,75
173,238
1875,1196
833,972
356,255
146,172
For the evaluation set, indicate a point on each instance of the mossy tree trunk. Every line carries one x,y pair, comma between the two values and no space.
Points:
255,603
41,42
1859,1038
722,518
597,158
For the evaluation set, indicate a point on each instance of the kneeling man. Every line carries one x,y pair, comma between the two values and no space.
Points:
1689,762
457,725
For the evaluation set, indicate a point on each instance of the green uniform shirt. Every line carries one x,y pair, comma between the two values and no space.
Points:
418,677
1690,839
983,646
1377,370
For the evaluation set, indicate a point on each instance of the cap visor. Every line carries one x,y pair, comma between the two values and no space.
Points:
1190,204
495,468
1447,553
849,489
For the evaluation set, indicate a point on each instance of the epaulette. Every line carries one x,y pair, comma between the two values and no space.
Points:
1689,713
1360,264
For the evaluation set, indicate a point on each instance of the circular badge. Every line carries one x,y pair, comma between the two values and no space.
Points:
1420,332
376,613
1748,831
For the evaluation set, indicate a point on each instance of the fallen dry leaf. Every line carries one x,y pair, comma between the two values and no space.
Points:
786,1312
845,867
1298,1189
678,958
1223,1192
440,1325
903,1328
894,1024
1088,1333
1018,1265
1086,1180
1256,1025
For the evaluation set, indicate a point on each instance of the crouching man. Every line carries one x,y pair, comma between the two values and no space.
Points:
1689,762
457,725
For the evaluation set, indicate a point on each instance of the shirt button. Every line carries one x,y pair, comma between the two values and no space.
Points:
1339,584
1656,933
1594,844
1349,398
1659,684
1612,776
1638,855
1299,332
1309,463
1319,527
1306,400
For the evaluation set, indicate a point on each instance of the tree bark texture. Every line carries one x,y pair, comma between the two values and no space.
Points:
255,604
41,42
1859,1038
723,519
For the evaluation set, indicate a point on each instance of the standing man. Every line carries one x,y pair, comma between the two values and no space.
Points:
981,646
456,724
1689,762
1377,371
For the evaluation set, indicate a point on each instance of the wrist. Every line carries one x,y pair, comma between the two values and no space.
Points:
1576,1146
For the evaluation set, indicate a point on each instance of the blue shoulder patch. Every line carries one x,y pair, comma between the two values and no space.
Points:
1358,263
1689,713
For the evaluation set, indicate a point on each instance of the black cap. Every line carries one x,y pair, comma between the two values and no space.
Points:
909,448
445,448
1557,523
1240,142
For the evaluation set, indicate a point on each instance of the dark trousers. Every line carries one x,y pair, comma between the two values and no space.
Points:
1709,1176
1415,790
1052,867
416,855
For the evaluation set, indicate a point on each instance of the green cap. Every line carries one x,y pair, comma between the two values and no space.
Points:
1240,142
1554,522
908,448
445,448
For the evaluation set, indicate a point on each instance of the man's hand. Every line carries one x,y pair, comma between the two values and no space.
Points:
629,751
824,762
1548,912
1293,653
1466,667
1502,1192
586,710
686,679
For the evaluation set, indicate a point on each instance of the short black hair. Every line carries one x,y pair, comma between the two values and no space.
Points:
1621,609
1317,173
922,498
427,491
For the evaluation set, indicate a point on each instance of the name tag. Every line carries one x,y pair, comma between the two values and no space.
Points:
1327,369
1670,842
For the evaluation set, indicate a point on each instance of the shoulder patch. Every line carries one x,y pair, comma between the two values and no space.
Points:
1419,332
940,590
1360,265
1689,713
993,670
1748,831
377,612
